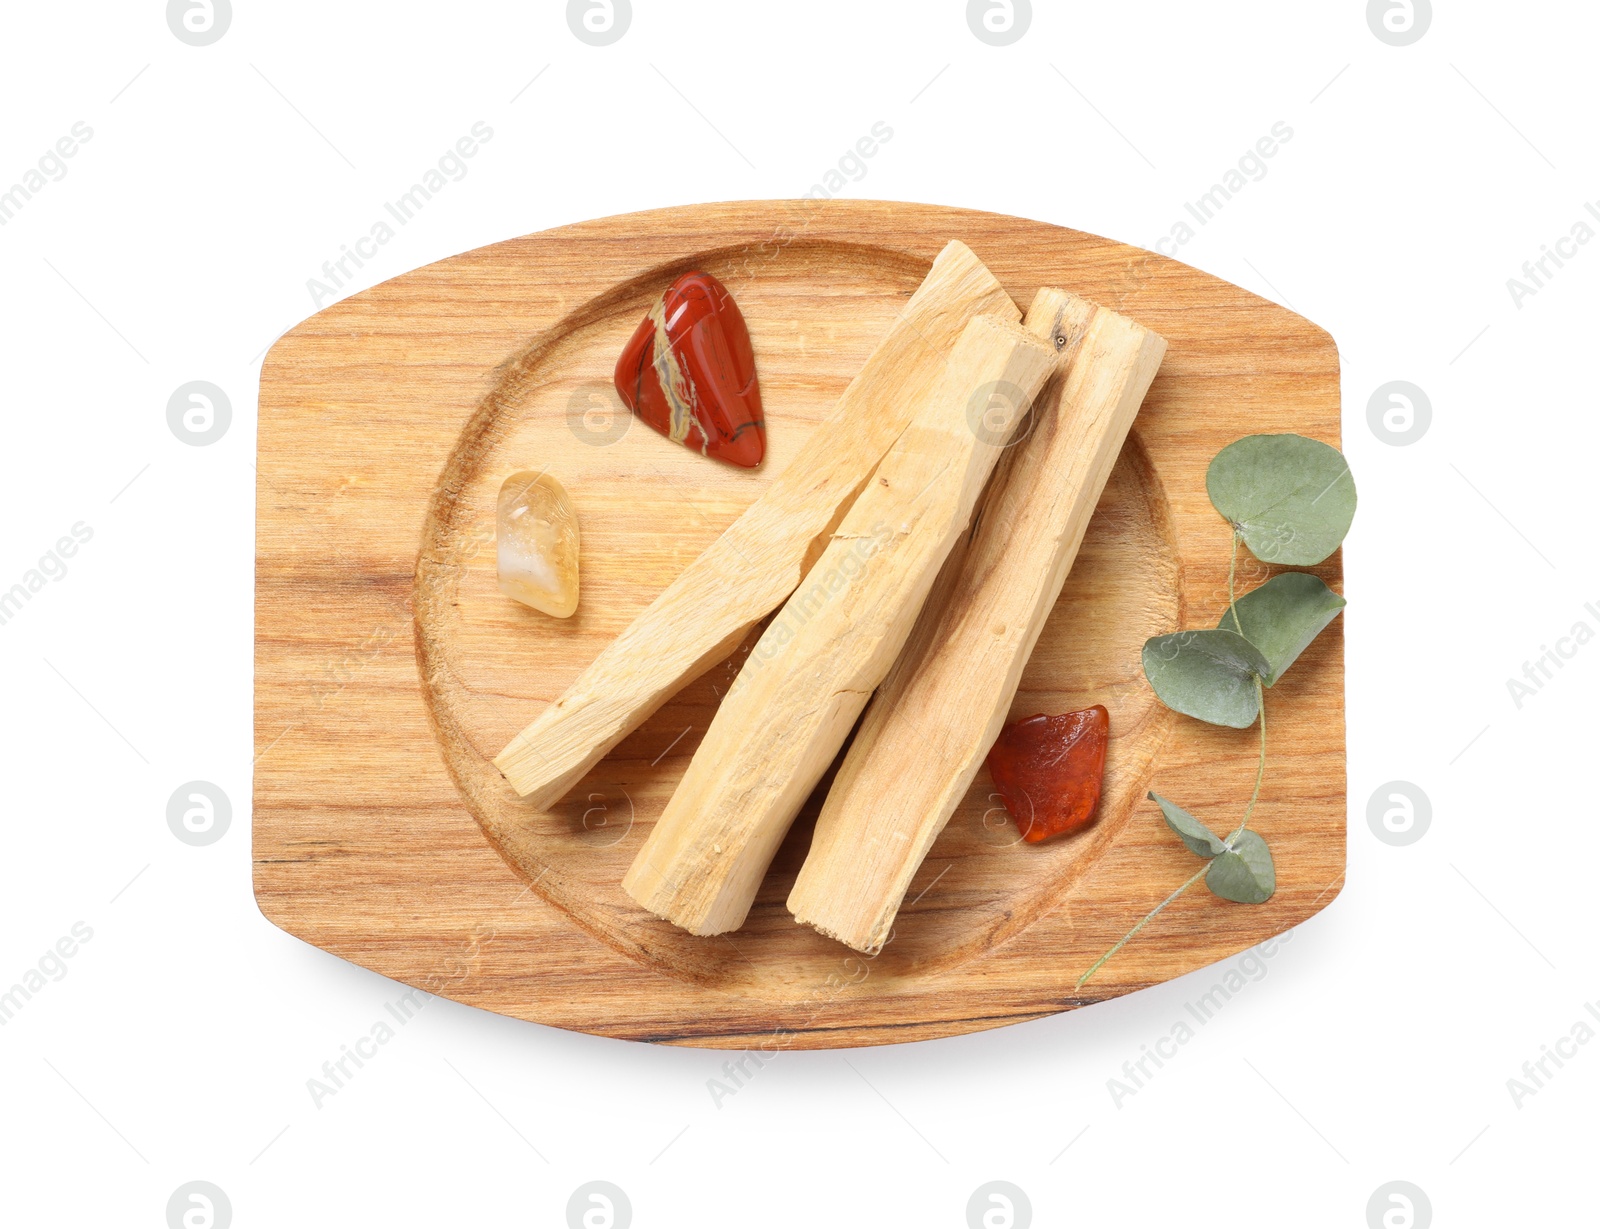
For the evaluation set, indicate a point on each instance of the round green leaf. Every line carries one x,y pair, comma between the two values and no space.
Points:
1291,498
1243,874
1199,838
1282,617
1206,674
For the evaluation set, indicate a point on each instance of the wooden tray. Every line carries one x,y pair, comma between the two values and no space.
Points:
382,831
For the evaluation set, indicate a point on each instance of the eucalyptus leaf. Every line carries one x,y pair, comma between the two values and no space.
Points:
1290,498
1243,874
1282,617
1207,674
1199,838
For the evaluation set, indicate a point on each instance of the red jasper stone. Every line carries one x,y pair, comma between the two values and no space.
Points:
689,372
1048,771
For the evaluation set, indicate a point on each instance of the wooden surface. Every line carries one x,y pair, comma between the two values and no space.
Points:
752,567
816,665
932,722
382,831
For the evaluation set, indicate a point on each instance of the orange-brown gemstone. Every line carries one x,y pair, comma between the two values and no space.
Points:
1048,771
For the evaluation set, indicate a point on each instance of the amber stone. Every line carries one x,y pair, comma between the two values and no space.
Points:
1048,771
689,372
536,543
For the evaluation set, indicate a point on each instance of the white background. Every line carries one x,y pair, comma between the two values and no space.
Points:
178,246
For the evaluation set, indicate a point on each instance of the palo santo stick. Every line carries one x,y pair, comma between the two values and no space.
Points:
815,666
746,573
941,708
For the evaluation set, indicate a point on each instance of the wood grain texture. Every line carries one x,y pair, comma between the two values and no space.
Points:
389,670
933,721
818,662
711,605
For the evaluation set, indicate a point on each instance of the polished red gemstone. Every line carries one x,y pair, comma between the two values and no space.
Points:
689,372
1048,771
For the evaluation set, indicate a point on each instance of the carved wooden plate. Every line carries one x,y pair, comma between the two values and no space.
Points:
390,670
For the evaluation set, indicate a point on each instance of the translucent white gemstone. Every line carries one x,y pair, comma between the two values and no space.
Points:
536,539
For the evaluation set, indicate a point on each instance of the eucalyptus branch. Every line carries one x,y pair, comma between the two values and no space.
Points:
1290,501
1261,771
1233,605
1261,766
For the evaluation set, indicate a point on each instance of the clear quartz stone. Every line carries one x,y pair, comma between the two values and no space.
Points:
536,538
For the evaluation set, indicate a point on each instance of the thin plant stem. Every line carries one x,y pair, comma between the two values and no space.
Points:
1140,925
1261,764
1233,566
1261,772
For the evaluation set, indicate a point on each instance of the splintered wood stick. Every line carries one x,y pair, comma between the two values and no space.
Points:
943,705
747,572
817,663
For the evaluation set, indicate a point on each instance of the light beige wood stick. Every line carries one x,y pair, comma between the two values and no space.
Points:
941,708
746,573
817,663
